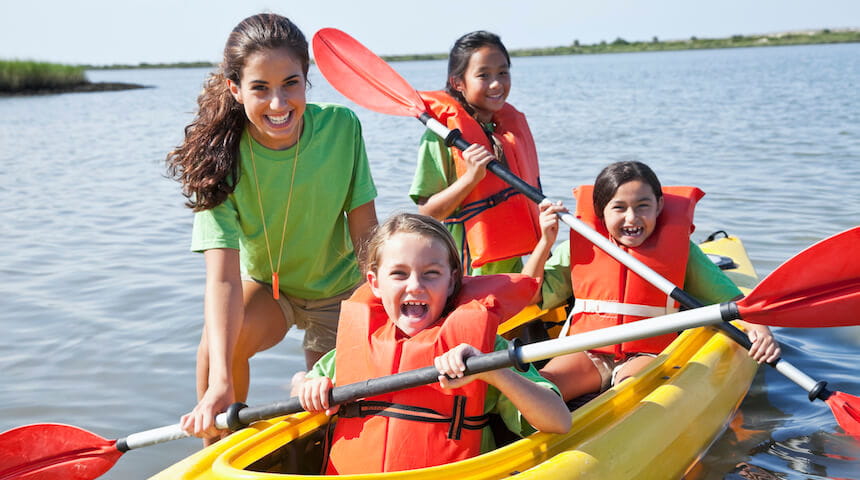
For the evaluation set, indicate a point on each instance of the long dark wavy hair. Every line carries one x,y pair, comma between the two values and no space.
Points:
207,162
461,52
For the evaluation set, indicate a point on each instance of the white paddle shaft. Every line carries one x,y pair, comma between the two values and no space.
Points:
164,434
650,327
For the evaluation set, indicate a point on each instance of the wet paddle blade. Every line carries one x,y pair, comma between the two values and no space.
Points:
362,76
52,452
846,409
818,287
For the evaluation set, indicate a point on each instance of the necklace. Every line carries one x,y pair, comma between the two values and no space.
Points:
489,128
275,285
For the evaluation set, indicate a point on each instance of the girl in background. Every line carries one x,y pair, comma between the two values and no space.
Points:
492,223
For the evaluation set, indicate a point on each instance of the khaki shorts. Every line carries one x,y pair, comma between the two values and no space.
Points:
608,367
318,318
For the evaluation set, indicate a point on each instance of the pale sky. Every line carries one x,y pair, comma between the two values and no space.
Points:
102,32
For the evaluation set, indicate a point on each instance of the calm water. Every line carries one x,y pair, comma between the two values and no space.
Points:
101,301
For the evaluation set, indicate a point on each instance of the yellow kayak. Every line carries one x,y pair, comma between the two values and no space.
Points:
655,425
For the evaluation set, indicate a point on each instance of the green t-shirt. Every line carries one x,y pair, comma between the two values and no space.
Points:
703,279
332,177
494,401
435,172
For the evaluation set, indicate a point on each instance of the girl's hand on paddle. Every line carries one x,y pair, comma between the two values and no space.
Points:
200,422
549,220
296,383
313,394
765,348
452,366
549,232
477,157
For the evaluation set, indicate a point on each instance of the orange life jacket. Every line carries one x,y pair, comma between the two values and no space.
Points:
426,425
608,293
500,222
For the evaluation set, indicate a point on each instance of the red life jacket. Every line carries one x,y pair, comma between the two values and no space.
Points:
500,222
391,436
608,293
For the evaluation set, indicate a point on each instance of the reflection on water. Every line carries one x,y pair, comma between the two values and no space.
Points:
764,440
101,300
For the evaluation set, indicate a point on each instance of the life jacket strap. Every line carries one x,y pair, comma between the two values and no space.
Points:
585,305
603,306
472,209
458,419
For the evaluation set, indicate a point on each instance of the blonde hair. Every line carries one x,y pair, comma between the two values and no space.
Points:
421,225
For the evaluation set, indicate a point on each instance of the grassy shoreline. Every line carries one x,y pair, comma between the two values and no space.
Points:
22,77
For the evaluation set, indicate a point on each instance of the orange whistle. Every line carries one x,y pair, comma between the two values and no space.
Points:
275,288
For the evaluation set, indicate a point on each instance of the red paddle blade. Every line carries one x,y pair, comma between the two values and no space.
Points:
818,287
363,77
846,409
51,452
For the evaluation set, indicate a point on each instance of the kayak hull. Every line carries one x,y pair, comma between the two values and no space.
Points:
654,425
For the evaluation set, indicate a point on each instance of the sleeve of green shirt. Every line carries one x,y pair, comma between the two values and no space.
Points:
434,171
499,404
556,287
362,188
216,228
324,367
705,281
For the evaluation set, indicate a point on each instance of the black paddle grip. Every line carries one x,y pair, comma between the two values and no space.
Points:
381,385
234,422
122,445
728,312
455,139
514,355
518,183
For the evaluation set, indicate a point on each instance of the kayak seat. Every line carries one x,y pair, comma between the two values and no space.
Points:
304,456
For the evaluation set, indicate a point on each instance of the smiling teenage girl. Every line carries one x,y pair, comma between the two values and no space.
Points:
419,310
493,224
652,223
282,195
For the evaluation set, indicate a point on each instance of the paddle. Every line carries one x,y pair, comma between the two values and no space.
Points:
366,79
48,451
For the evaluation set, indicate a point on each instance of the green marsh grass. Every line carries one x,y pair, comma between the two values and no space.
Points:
23,75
